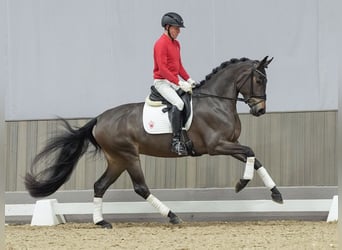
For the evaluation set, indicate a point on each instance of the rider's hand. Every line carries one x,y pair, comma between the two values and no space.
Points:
185,86
192,82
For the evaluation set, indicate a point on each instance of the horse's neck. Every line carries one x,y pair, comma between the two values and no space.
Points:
222,95
222,85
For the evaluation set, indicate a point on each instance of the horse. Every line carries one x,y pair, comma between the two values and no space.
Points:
119,134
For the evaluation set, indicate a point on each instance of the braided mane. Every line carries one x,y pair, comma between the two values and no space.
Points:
223,66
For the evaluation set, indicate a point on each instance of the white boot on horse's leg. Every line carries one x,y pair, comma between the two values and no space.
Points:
163,210
266,178
247,176
97,214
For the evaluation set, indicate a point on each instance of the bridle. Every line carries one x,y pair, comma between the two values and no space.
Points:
245,99
261,97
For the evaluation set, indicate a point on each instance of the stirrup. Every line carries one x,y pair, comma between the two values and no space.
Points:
178,147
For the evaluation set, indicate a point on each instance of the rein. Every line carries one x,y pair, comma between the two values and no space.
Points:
203,95
245,100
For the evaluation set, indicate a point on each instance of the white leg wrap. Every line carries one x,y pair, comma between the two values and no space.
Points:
97,215
249,169
164,210
266,178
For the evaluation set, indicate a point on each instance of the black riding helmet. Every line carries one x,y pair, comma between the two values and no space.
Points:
173,19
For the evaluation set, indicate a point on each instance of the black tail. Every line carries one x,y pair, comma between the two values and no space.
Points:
59,158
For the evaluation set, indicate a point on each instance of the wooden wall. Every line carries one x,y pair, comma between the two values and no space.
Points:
298,149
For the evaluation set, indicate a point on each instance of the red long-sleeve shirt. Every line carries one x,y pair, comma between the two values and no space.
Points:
167,60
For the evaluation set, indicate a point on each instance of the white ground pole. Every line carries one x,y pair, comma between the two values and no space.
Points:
3,83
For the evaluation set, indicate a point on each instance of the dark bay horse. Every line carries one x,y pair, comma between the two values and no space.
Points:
120,135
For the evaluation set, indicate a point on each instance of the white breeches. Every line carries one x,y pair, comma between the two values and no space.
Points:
168,91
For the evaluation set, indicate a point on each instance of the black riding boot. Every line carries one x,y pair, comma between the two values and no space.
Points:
177,146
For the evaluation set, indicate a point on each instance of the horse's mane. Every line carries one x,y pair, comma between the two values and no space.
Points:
223,66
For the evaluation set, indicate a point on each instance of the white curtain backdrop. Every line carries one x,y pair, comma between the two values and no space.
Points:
77,58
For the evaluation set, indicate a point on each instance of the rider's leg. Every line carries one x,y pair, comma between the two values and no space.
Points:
177,145
168,91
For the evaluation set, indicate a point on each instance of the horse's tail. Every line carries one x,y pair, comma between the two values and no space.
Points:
58,159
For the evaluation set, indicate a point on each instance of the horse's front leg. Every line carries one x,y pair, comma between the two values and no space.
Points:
262,172
248,173
246,154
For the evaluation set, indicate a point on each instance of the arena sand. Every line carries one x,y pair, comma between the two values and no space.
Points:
187,236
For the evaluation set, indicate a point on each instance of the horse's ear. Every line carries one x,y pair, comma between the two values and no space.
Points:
268,62
264,63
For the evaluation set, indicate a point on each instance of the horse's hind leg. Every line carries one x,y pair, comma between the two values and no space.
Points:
141,189
101,185
251,164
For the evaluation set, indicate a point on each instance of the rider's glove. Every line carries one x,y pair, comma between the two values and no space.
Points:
185,86
192,82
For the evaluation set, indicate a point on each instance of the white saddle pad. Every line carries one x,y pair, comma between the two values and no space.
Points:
157,122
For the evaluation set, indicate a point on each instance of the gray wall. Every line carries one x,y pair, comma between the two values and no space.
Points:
74,51
297,148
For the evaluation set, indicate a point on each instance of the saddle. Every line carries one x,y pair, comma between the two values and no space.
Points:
156,100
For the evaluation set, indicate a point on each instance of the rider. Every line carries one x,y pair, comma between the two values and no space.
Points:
167,67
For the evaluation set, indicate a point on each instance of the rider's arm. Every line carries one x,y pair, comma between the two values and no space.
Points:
182,71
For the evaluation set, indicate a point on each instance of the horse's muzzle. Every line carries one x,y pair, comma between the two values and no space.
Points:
257,107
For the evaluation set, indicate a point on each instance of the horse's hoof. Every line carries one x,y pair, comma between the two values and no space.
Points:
176,220
276,196
241,185
104,224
